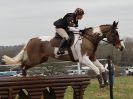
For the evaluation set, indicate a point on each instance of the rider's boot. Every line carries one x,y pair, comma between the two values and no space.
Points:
61,47
105,78
101,85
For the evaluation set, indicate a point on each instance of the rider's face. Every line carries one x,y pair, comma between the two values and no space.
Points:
79,17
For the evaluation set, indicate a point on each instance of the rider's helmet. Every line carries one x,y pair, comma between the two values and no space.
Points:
79,11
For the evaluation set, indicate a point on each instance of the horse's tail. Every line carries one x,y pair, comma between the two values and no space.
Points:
15,60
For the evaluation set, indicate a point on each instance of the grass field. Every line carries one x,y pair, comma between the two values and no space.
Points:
123,89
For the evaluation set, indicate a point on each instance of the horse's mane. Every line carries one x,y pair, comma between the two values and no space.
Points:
100,26
106,25
89,28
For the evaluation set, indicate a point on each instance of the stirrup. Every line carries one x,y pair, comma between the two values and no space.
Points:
60,52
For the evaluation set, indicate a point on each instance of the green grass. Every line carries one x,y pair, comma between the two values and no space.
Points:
123,89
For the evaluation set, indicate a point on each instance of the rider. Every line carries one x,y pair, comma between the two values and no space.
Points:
68,23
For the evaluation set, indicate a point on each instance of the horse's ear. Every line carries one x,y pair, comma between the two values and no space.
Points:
117,23
114,26
114,23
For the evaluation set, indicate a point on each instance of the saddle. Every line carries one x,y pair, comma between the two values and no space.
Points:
55,42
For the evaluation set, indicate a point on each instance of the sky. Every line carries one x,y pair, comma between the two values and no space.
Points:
21,20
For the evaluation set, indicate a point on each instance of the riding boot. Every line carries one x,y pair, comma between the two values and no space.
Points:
100,81
105,78
61,47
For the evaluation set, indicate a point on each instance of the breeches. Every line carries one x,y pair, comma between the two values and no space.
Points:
62,33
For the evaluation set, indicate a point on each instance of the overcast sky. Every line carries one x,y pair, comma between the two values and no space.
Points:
21,20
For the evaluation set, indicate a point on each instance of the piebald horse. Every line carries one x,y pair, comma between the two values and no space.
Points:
84,47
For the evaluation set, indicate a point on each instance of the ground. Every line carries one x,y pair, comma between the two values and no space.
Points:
123,89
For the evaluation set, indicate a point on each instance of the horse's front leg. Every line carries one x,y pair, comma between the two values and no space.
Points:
102,70
86,61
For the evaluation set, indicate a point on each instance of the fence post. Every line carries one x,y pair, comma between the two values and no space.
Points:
110,77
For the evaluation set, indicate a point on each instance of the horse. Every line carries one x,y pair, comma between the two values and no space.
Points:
83,50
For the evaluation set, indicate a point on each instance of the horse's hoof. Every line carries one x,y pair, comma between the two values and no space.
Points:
102,86
106,84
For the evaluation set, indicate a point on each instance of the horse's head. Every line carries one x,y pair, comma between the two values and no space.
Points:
110,32
113,37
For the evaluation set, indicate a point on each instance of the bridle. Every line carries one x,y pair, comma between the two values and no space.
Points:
108,34
115,38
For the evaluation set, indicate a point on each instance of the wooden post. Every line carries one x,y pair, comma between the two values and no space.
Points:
110,77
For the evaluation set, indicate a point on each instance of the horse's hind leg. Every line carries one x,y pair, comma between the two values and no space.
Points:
24,73
25,66
28,64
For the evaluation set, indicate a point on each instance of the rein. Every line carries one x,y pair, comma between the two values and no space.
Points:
101,40
92,37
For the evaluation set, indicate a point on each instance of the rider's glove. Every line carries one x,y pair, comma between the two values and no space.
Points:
73,29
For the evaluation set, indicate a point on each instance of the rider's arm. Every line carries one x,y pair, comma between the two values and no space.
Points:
70,21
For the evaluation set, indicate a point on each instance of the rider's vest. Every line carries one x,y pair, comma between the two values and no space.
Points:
68,20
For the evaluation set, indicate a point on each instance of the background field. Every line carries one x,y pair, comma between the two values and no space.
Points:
123,89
